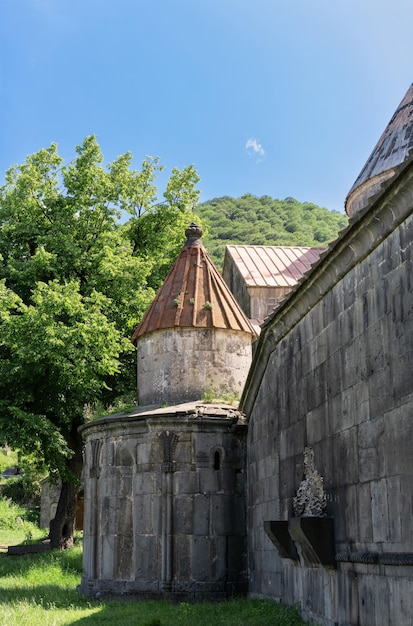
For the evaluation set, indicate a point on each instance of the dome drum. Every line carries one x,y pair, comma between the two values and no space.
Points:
183,364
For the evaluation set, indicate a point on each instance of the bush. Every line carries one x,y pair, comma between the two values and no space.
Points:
32,515
23,490
7,460
11,516
16,525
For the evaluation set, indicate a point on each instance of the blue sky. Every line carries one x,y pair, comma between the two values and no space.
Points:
275,97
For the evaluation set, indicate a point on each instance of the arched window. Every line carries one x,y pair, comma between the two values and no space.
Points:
217,460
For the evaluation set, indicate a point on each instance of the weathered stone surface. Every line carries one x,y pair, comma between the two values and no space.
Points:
28,549
335,369
180,365
168,517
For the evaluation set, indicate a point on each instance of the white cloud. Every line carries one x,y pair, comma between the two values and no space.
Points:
253,145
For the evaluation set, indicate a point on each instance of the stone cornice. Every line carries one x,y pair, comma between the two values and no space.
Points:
366,231
376,558
190,416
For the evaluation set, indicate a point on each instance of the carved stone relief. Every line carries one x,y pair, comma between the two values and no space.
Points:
310,500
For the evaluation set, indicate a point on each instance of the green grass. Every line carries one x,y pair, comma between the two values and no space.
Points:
15,528
7,460
40,590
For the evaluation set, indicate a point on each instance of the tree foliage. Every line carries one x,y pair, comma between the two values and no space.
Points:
267,222
74,283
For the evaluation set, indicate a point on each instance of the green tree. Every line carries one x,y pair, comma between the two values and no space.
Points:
265,221
74,284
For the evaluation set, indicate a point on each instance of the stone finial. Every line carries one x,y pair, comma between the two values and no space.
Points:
193,233
310,500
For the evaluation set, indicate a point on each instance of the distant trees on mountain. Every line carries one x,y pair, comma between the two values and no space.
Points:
266,221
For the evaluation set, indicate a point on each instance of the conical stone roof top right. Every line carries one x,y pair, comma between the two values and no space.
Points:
391,151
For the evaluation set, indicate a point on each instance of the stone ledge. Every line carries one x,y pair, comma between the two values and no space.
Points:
28,549
376,558
308,539
277,531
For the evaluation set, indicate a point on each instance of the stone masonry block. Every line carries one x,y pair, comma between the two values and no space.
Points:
365,528
345,459
144,483
208,480
201,514
372,450
380,510
107,555
237,557
401,376
397,501
400,597
143,453
143,514
316,424
147,557
201,557
124,567
181,557
108,521
227,515
183,515
186,482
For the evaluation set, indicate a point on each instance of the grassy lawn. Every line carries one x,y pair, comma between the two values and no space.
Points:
40,590
10,537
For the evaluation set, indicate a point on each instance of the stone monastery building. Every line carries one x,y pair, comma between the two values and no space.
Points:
304,492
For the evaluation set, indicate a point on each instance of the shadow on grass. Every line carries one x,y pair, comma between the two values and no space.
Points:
29,580
67,560
150,612
43,595
162,613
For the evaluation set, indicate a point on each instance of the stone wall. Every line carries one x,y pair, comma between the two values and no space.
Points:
165,505
50,494
181,364
333,371
237,285
264,300
257,302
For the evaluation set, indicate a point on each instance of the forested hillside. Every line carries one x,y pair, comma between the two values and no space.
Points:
266,221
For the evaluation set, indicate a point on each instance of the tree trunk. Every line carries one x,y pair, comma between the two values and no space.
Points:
63,525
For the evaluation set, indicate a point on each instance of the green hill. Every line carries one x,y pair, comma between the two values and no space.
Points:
265,221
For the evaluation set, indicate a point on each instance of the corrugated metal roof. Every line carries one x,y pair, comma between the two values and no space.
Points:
194,295
273,266
394,145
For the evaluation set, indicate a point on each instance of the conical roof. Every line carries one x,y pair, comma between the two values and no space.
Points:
194,295
391,150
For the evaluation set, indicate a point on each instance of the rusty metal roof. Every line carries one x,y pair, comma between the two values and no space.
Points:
194,295
272,266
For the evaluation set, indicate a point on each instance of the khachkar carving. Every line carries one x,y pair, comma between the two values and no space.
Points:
169,441
309,536
310,500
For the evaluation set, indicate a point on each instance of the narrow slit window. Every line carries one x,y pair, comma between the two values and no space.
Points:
217,460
